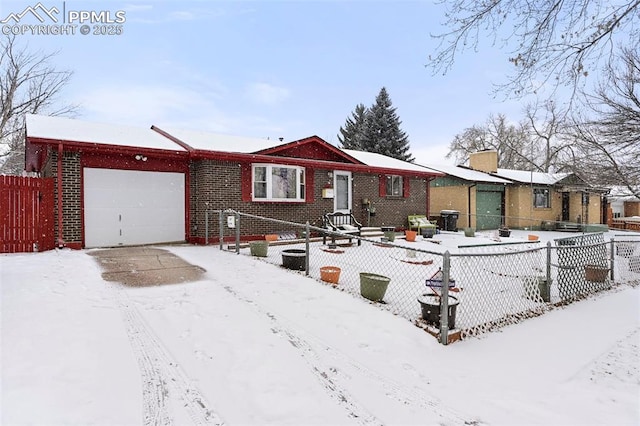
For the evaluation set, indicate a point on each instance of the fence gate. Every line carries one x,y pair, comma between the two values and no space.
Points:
26,214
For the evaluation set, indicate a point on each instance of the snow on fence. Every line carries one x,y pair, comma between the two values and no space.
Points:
491,285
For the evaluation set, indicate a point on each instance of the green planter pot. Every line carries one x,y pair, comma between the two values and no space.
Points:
389,232
469,232
259,248
373,286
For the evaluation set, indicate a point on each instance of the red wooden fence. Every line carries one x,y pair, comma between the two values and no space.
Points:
26,214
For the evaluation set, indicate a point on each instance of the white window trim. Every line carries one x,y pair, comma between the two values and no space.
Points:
336,173
300,172
392,178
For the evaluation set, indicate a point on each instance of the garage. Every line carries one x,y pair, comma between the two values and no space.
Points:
132,207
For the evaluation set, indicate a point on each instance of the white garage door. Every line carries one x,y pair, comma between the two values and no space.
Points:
129,207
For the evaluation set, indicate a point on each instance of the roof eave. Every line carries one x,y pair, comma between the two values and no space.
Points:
303,162
107,148
310,139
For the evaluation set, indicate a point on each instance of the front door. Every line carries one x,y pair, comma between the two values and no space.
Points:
342,191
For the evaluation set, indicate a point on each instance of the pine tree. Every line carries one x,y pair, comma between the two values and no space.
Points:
351,135
382,132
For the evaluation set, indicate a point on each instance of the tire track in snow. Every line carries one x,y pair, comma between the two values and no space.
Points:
394,390
334,390
607,365
161,375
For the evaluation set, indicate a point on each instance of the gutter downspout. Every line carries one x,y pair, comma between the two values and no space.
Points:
59,172
429,197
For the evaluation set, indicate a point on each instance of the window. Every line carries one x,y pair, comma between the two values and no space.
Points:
272,182
394,186
541,198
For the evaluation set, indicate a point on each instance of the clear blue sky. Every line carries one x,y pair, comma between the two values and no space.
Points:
273,68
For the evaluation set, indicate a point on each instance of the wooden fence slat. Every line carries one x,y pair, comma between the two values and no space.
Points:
26,218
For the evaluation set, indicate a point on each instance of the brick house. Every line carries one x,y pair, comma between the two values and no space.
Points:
119,185
488,196
623,209
478,196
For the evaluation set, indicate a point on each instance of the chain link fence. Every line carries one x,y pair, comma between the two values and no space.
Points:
490,285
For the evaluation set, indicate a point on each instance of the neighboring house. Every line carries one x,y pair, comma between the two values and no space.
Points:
623,210
119,185
524,199
622,203
478,196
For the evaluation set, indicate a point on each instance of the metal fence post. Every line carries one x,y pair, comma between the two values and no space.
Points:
237,214
444,299
613,256
548,263
306,247
221,223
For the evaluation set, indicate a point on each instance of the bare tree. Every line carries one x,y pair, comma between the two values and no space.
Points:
547,123
29,84
608,136
511,141
553,41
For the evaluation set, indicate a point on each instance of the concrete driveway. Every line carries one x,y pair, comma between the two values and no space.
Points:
145,266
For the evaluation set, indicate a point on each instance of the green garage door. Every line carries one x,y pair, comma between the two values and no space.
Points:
488,209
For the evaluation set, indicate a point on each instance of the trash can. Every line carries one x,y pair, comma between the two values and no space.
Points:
450,219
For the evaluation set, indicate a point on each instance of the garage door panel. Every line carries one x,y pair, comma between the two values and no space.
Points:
129,207
488,210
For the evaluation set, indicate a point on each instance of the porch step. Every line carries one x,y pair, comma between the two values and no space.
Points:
568,226
371,231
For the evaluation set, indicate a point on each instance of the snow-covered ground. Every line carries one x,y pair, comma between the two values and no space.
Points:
252,343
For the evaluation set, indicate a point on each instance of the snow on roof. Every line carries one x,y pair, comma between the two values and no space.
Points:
378,160
66,129
524,176
206,141
621,193
468,174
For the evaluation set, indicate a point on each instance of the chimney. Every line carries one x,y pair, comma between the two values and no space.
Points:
484,161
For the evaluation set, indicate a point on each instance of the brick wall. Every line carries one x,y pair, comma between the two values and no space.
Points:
390,211
216,185
71,190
